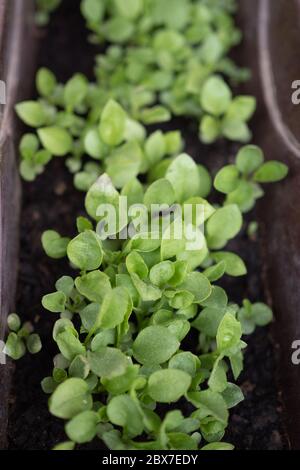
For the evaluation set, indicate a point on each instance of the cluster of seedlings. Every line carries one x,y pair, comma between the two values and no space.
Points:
149,345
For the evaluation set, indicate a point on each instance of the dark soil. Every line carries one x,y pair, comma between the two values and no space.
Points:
52,202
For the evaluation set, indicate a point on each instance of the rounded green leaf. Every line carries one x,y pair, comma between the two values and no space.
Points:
155,147
209,320
92,10
235,266
184,177
54,245
227,179
75,91
69,345
216,96
94,286
161,273
103,193
85,251
124,164
136,264
217,299
93,145
70,398
45,82
244,196
185,361
147,292
55,302
181,299
262,314
32,113
198,285
242,108
160,192
131,9
33,343
83,427
116,306
215,272
118,30
155,345
249,159
14,347
218,446
14,322
29,145
65,284
123,411
229,333
210,404
271,172
236,130
79,367
232,395
155,115
112,124
67,445
57,140
224,225
108,362
168,385
210,129
205,181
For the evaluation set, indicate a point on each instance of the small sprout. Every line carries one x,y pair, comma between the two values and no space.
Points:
85,251
70,398
54,245
33,343
112,124
45,82
21,338
54,302
252,230
14,322
48,385
14,347
253,315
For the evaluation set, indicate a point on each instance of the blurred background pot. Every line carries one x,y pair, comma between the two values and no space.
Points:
271,46
16,66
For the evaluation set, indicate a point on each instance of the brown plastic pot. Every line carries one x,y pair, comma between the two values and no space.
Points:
271,45
16,60
271,29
